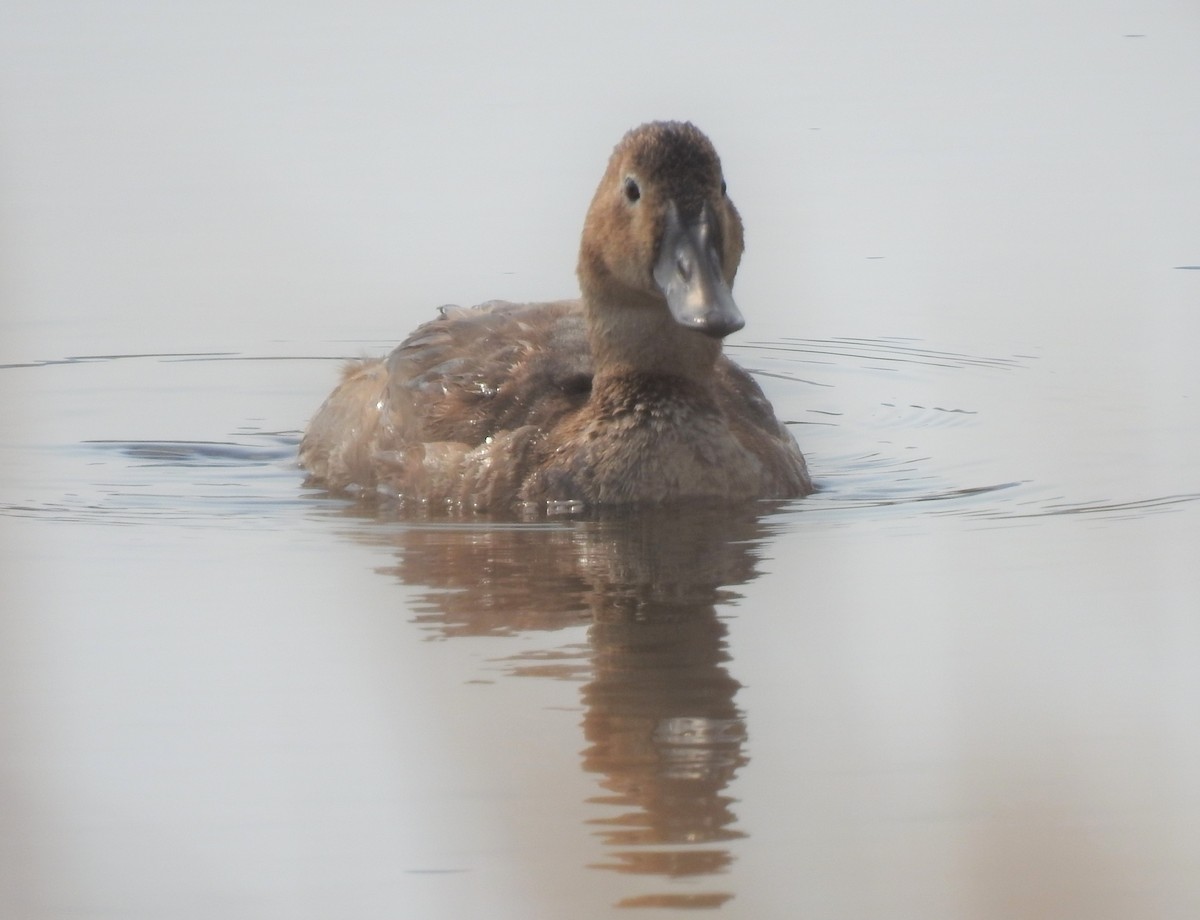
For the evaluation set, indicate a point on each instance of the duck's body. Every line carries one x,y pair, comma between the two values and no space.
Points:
623,397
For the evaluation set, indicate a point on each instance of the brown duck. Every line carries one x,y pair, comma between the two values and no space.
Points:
623,397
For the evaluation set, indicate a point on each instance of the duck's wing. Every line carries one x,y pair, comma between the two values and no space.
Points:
476,372
753,421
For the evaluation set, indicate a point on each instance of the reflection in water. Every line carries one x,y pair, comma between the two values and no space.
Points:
662,730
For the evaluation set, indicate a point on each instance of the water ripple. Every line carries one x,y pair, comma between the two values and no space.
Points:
887,423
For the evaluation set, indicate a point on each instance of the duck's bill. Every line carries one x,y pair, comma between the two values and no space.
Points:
688,272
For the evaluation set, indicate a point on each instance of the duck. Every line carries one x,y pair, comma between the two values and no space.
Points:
622,397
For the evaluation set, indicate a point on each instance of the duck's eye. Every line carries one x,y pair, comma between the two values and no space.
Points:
632,192
722,188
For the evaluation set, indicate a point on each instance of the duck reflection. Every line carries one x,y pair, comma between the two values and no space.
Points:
662,730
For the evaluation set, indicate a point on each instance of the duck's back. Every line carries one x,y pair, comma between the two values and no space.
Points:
455,383
475,372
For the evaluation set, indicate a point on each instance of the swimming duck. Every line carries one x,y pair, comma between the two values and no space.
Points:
622,397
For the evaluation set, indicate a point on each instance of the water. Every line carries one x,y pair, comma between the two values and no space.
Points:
958,681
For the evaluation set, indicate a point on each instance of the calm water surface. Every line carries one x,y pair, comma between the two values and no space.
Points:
946,685
960,681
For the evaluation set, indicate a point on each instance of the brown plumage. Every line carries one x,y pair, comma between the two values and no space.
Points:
623,397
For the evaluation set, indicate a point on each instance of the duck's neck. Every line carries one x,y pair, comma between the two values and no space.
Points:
633,337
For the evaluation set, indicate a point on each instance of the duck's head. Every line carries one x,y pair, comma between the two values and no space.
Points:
661,231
